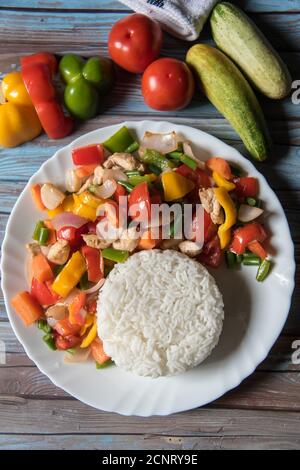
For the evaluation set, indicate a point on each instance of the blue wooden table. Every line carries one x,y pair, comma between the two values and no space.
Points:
264,412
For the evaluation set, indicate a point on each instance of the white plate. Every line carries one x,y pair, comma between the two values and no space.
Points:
254,313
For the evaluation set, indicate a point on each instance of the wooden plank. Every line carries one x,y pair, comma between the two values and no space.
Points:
248,5
33,416
145,442
72,27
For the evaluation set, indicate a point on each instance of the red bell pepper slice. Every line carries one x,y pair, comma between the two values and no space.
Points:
65,328
42,293
212,254
246,186
88,155
75,316
72,235
37,74
258,249
120,191
67,342
202,222
41,58
93,261
246,235
198,176
139,202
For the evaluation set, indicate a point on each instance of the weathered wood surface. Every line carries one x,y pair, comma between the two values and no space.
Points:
264,412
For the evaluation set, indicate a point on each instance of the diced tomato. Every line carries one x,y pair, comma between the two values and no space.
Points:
139,202
220,165
247,234
212,255
75,315
202,222
198,176
88,155
258,249
42,293
65,328
92,258
72,235
67,342
98,351
120,191
246,186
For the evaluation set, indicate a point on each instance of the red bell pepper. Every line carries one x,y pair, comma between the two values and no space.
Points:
258,249
67,342
246,235
212,255
198,176
93,261
42,293
120,191
75,316
72,235
37,74
246,186
139,202
65,328
202,221
88,155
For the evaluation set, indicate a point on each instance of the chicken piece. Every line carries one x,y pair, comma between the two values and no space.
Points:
126,161
98,175
170,244
51,196
33,248
189,248
59,252
128,241
95,242
211,205
73,182
86,185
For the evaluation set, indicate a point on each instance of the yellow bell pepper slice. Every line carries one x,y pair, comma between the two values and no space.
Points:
90,200
88,322
227,203
92,334
70,275
83,210
222,182
175,185
19,122
66,206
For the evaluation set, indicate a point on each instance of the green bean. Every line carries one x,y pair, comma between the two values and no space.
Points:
188,161
36,233
132,147
49,340
263,270
152,156
43,325
126,185
154,169
105,364
231,259
133,173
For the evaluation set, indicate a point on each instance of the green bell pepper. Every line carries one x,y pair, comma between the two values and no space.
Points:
87,81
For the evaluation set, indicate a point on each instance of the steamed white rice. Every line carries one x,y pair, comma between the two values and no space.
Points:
159,313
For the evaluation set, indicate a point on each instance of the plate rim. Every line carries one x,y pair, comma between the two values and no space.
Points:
225,387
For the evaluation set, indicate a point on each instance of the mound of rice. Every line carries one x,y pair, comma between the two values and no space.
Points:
159,313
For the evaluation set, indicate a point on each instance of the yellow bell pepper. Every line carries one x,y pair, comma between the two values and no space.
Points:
88,322
83,210
66,206
90,336
175,185
227,203
19,122
90,200
222,182
70,275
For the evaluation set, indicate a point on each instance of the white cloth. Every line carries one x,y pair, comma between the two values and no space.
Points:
181,18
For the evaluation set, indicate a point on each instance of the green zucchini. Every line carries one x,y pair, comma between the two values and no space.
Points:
239,38
228,90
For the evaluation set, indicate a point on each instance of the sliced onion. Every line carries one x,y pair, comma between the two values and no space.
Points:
163,143
80,355
52,321
68,219
248,213
107,189
95,287
114,174
187,149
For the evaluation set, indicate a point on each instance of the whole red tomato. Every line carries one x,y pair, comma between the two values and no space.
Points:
167,84
134,42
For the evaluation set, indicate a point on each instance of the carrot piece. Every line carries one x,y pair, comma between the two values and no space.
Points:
41,269
221,166
52,233
83,171
35,190
146,242
98,351
258,249
27,307
75,317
